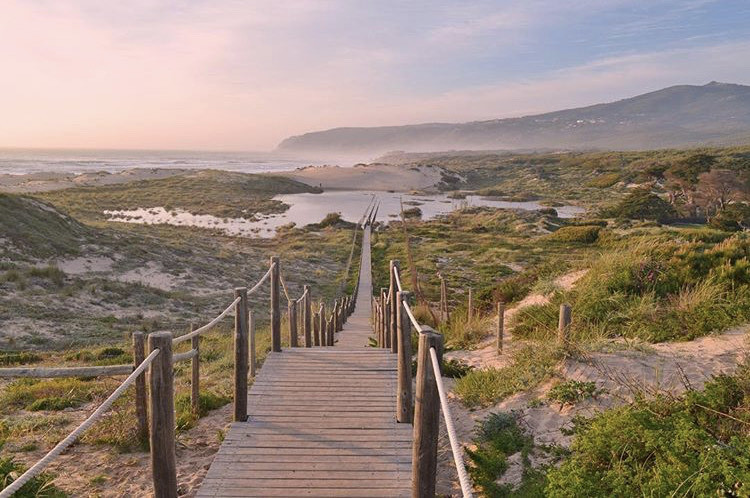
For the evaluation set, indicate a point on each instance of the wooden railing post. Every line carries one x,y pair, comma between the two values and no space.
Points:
500,326
275,309
335,315
241,349
393,308
315,323
307,312
563,324
426,418
292,323
331,328
404,410
141,412
322,331
385,318
253,360
162,418
443,300
195,377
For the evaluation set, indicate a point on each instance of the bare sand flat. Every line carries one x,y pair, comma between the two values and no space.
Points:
384,177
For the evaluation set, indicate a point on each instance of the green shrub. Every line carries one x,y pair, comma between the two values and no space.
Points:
51,273
55,403
38,487
576,234
734,217
604,181
497,437
18,358
571,392
641,204
455,369
25,393
696,445
412,213
207,401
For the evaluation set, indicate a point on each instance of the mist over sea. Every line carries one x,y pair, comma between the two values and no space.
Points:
25,161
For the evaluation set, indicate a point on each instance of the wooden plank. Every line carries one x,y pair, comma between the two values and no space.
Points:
211,489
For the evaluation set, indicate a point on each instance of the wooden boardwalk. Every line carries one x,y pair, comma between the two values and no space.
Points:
321,421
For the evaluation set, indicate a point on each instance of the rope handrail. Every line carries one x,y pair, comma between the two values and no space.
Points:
224,313
302,297
209,325
262,279
283,286
39,466
412,318
463,477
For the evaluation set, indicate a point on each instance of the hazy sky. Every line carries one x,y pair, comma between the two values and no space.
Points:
243,75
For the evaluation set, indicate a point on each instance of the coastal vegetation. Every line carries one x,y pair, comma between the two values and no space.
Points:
661,257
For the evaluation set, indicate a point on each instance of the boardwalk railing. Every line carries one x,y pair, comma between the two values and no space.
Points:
393,320
155,409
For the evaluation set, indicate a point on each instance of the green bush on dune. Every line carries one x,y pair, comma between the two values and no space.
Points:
696,445
655,290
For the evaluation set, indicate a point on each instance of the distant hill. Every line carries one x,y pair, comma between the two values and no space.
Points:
678,116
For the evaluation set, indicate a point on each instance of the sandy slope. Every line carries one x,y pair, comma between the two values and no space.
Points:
383,177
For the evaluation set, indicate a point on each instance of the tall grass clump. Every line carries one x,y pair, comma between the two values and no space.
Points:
39,487
654,290
462,333
531,365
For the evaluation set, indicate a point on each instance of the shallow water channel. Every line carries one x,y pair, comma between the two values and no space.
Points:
305,209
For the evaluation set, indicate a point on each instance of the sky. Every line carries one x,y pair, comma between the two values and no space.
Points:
243,75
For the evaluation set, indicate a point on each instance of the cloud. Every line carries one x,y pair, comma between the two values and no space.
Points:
241,75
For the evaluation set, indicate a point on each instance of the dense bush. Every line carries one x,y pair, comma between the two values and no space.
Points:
641,204
734,217
497,437
697,445
576,234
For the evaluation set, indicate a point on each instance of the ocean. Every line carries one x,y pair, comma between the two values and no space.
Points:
24,161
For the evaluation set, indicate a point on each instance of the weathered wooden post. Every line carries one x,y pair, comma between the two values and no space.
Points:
393,308
275,310
341,315
444,296
322,331
470,308
161,411
500,326
426,417
307,312
292,323
141,412
563,324
335,316
331,330
241,349
385,318
195,378
378,322
253,361
404,410
315,323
